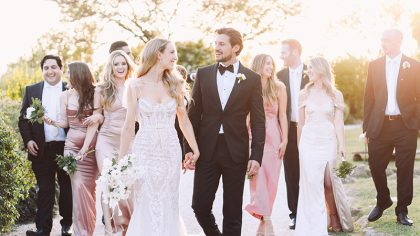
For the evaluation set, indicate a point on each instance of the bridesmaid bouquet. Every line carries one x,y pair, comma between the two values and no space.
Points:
69,162
35,112
117,180
344,169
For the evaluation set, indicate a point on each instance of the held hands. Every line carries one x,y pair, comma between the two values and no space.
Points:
82,153
190,161
364,137
252,169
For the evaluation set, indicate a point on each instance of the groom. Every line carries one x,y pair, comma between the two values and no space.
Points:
391,121
223,95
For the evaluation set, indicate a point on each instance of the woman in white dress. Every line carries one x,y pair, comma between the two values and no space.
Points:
321,139
154,98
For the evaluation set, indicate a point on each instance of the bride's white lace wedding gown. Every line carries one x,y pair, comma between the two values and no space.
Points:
157,151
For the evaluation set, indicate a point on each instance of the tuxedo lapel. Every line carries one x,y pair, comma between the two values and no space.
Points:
235,90
401,73
38,91
213,86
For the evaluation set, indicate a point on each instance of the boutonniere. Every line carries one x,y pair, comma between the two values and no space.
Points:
240,77
305,73
406,65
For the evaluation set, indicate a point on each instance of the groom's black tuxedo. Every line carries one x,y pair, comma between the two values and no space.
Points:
388,132
207,116
225,154
45,166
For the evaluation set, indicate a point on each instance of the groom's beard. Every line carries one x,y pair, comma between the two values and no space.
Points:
225,59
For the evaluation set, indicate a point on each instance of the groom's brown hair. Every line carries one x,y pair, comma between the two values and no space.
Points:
293,44
235,38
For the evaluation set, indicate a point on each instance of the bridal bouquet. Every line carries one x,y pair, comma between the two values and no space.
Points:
117,179
35,112
69,162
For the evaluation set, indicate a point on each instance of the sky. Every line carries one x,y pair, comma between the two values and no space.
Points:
23,22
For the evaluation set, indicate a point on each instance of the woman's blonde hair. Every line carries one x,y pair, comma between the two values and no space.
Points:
108,83
171,77
271,89
321,66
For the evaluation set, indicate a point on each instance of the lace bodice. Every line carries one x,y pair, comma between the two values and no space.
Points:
156,116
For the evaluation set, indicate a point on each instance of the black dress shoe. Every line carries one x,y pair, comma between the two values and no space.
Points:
292,224
38,232
66,230
403,219
377,212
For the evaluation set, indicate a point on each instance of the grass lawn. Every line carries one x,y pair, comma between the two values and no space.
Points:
363,195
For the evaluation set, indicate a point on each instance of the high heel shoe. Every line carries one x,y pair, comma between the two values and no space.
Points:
268,228
261,228
335,223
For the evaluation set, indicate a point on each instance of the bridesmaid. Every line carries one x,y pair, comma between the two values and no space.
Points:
76,105
263,186
108,104
321,137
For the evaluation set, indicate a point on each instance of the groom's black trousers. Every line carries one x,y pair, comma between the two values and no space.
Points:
394,134
206,182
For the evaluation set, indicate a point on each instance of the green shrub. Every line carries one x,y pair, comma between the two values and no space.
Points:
16,179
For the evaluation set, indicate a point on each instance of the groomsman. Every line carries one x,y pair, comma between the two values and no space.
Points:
295,79
44,142
121,45
391,121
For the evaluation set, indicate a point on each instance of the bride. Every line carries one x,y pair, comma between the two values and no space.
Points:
154,98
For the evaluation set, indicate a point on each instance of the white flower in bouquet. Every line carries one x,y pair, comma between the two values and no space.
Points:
29,111
116,180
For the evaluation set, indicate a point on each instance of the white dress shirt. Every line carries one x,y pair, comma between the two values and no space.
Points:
51,102
225,85
295,79
392,70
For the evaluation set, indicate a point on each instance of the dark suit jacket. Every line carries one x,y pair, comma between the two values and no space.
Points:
206,115
33,131
283,76
376,95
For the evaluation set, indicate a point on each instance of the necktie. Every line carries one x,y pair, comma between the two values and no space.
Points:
222,69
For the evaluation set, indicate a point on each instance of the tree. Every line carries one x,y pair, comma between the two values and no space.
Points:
145,19
193,55
71,45
350,77
415,29
253,17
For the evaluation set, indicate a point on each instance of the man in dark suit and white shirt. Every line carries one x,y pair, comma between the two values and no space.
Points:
391,121
295,79
44,142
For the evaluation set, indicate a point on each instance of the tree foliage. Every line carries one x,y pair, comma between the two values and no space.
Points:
193,55
255,17
350,78
145,19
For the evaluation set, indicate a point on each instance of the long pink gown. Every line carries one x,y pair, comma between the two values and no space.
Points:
83,180
108,146
263,186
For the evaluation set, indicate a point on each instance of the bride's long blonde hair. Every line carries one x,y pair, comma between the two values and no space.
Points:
322,66
270,90
171,78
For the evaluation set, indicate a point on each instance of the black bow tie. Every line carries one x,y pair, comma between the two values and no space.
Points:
222,69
